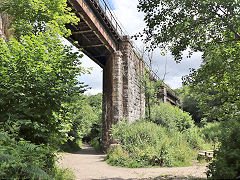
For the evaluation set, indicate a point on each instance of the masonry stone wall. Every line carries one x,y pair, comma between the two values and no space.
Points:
122,95
112,96
133,68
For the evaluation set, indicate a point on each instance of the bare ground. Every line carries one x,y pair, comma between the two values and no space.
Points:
87,164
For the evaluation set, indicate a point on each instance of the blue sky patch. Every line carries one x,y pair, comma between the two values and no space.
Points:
109,3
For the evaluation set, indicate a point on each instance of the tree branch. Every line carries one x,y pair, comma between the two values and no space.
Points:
228,25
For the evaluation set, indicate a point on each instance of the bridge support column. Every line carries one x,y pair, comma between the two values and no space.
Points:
122,96
133,98
112,96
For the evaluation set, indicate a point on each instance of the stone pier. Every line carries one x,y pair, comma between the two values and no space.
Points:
122,95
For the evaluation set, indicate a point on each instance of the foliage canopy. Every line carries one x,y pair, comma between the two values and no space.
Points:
198,24
218,82
210,26
37,78
37,75
34,16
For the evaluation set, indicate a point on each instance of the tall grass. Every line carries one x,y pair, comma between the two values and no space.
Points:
148,144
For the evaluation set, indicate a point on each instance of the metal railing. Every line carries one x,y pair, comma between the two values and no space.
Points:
108,10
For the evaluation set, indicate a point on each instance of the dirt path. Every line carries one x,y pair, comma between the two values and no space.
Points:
87,164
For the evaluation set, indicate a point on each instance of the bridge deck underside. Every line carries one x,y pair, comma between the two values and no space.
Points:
89,43
172,99
94,33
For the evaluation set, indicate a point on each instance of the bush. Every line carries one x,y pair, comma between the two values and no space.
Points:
148,144
71,146
211,131
23,160
38,75
85,113
171,117
196,139
227,162
64,174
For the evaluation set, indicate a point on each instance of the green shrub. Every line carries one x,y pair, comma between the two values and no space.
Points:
23,160
148,144
118,157
227,162
171,117
64,174
95,144
211,131
71,146
38,75
197,140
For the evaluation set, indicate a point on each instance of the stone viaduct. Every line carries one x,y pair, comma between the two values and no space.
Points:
99,35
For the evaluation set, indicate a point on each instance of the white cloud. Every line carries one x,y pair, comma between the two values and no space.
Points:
175,71
94,79
127,14
132,21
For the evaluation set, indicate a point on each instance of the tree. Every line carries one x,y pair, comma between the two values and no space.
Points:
33,16
178,24
37,75
85,113
190,103
95,101
151,89
210,26
218,81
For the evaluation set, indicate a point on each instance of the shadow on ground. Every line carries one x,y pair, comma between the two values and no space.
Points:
157,178
88,150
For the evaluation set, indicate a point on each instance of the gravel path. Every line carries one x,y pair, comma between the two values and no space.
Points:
87,164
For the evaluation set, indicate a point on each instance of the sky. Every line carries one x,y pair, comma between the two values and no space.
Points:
132,21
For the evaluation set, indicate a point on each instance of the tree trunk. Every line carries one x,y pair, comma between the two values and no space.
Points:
4,32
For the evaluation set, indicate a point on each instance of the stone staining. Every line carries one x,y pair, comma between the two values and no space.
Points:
122,96
133,98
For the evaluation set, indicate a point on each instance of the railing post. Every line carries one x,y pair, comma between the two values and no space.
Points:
164,94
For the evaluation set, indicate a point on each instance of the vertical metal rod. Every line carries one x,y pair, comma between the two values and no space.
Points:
105,7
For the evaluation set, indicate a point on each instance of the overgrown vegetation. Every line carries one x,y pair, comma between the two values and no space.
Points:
38,77
171,117
42,105
24,160
227,157
211,27
86,116
170,138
